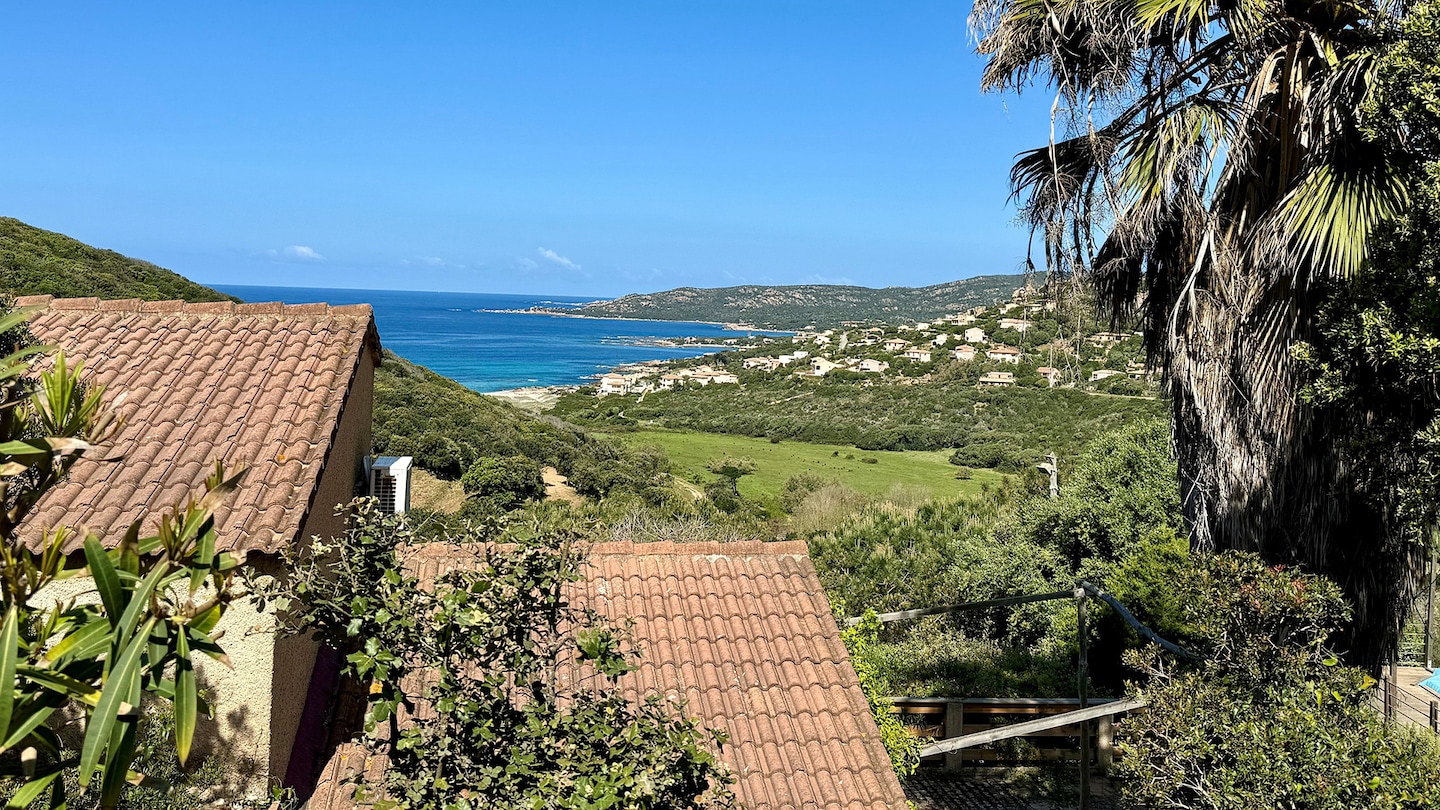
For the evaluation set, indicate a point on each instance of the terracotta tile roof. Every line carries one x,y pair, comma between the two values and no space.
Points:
743,632
255,384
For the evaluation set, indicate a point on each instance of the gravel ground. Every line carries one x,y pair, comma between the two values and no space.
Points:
1025,789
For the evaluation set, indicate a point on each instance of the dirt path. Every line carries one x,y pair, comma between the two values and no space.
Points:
557,488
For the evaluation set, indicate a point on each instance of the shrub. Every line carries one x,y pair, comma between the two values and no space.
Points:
506,481
860,640
798,488
1268,718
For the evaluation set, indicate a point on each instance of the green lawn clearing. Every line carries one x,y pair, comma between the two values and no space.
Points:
775,463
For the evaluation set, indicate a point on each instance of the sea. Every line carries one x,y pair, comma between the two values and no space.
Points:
469,337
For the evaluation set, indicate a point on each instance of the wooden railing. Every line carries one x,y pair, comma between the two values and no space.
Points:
972,725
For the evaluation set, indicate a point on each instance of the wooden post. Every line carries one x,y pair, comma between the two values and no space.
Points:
954,727
1392,698
1430,609
1105,744
1387,696
1082,677
1435,717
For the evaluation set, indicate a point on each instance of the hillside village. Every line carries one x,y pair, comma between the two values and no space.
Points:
1020,342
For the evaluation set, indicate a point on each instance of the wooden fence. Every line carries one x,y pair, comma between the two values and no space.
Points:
987,720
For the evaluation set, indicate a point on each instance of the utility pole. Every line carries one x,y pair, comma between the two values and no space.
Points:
1082,678
1051,467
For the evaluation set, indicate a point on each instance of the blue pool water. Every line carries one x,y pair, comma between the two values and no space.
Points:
455,335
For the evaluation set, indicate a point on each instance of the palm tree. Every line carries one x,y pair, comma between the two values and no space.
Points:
1209,172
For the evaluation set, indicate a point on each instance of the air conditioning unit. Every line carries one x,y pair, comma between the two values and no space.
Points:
390,483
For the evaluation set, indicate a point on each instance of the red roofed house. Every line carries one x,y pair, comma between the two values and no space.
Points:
284,390
743,633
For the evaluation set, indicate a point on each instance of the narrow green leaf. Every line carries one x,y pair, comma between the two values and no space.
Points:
63,684
139,601
81,642
9,660
107,581
31,722
117,690
185,693
31,791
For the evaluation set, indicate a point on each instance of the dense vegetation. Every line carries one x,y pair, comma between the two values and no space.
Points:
485,645
448,428
1007,429
39,262
809,305
1214,167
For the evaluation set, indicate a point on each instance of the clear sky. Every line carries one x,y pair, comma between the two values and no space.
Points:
585,148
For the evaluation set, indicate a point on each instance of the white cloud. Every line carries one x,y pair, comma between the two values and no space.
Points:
301,253
427,261
526,264
551,255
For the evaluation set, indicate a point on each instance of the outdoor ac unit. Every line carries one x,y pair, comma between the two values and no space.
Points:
390,483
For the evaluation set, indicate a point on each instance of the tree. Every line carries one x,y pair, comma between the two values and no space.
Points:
484,645
507,481
68,666
1217,169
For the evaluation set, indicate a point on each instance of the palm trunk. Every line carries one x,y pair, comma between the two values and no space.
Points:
1261,471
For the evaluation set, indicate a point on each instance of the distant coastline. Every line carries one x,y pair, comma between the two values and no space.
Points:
734,327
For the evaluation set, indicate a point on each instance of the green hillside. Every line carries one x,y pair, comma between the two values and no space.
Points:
40,262
806,305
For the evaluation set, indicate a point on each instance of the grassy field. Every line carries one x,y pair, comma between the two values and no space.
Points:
775,463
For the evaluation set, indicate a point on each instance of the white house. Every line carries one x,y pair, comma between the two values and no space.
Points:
896,345
1018,324
613,384
918,355
974,335
1004,354
1104,374
1000,378
941,339
872,366
1050,374
964,352
819,366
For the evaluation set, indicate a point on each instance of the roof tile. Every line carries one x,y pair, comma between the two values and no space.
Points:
713,622
245,383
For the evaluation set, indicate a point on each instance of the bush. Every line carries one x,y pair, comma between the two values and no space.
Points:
798,488
507,481
1268,718
860,640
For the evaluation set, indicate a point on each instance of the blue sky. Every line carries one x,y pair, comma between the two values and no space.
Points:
541,147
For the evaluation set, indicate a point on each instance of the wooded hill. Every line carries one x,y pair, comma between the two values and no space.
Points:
807,305
39,262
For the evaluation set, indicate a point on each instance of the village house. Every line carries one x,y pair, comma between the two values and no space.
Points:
922,326
1007,308
1050,374
974,335
1104,374
758,362
820,366
743,634
896,345
1018,324
668,381
964,352
1004,354
613,384
918,355
941,339
283,390
997,378
1138,370
1107,338
872,366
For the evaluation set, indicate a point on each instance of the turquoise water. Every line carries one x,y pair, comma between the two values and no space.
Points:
453,334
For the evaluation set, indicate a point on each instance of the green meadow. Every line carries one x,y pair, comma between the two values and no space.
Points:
775,463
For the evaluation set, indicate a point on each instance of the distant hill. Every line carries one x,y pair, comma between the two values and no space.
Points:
799,306
40,262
